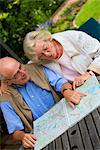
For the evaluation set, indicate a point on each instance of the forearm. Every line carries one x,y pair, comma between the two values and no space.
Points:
18,135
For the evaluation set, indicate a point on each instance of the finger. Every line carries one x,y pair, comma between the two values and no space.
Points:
71,104
80,93
29,142
0,93
83,94
80,83
33,136
31,139
27,145
77,83
76,100
74,85
7,92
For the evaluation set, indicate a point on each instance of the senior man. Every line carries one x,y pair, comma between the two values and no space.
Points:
31,96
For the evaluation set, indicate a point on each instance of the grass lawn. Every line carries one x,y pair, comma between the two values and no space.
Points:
90,9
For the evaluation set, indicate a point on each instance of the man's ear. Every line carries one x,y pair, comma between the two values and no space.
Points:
8,82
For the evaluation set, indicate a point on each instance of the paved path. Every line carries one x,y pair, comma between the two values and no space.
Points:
58,12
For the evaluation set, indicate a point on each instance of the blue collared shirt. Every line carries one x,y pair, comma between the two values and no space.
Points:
38,100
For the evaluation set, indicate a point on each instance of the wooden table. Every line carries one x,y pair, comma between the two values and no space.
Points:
85,135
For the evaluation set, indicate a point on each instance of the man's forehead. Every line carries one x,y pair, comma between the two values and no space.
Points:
7,60
8,67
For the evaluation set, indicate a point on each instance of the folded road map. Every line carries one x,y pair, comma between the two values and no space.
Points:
61,116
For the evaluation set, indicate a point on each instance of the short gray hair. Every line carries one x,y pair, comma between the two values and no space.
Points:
30,40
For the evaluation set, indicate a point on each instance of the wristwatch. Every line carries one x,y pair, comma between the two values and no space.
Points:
66,89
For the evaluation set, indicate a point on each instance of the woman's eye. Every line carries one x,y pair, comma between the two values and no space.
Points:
45,49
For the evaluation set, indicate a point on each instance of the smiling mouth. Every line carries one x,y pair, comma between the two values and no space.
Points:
24,77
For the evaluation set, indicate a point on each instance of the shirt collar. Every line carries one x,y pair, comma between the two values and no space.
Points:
17,86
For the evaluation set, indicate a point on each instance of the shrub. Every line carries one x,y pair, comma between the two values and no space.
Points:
17,17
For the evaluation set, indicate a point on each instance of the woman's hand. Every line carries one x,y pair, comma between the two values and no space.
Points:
73,97
81,79
4,88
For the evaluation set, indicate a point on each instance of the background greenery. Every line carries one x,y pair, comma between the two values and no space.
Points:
90,9
17,17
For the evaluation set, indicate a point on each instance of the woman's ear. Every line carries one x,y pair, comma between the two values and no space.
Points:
50,38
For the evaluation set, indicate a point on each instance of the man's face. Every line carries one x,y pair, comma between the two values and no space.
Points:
48,50
15,73
21,76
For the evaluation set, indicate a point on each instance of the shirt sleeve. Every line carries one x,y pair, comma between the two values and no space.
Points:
13,121
90,46
55,79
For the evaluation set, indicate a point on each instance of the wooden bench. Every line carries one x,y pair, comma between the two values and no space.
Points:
85,135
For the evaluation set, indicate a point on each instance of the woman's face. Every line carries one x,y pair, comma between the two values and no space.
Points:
48,50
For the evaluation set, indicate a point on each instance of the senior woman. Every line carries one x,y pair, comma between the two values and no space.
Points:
72,53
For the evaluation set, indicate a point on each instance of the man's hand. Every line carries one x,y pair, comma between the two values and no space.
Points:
28,140
73,97
81,79
4,88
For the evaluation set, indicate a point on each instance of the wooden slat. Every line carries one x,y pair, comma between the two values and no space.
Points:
96,117
85,136
45,148
65,142
75,138
58,144
92,132
99,110
51,146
